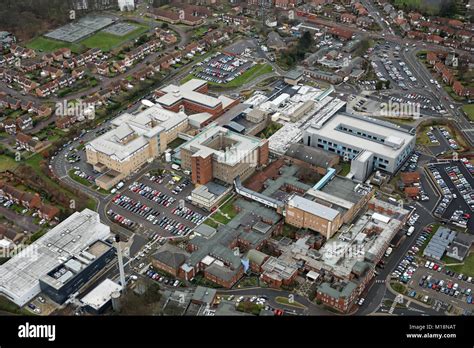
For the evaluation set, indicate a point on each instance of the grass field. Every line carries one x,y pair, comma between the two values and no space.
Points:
102,40
467,268
48,45
469,110
106,41
249,75
7,163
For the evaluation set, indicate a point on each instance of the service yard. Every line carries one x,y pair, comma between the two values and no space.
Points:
156,205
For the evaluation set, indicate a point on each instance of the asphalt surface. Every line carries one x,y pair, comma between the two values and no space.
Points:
458,203
311,308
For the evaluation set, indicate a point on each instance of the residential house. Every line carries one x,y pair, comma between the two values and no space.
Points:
24,122
348,18
48,212
10,127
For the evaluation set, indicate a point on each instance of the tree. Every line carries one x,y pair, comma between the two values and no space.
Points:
379,85
448,8
164,26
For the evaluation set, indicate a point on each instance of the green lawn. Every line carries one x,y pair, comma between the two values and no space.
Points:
77,178
467,268
346,168
200,31
422,248
249,307
8,306
34,163
228,209
45,44
210,222
106,41
7,163
220,218
400,288
249,75
469,111
422,138
102,40
286,301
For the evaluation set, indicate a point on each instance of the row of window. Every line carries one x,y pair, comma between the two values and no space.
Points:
361,134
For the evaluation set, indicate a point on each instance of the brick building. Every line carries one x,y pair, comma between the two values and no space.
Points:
222,154
192,97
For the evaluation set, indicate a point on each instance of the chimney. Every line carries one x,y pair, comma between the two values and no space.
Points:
120,263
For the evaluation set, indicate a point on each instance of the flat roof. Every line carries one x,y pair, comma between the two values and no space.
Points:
313,207
388,131
174,94
294,74
131,132
101,294
311,155
243,145
20,275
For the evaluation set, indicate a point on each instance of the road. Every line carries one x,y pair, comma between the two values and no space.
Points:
103,81
377,291
311,308
440,95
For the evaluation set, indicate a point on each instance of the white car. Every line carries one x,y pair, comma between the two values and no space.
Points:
361,301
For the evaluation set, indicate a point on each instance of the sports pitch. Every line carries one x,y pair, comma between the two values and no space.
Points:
80,29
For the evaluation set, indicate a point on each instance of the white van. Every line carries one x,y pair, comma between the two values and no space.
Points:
410,231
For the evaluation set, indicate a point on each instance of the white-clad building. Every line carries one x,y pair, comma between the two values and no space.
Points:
126,5
101,295
20,276
373,144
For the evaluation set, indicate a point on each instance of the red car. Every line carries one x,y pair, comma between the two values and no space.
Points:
278,312
435,267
